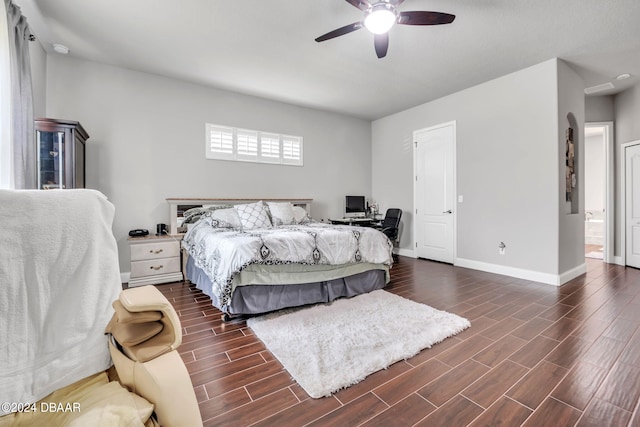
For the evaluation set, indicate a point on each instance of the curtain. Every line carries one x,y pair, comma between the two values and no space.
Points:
22,130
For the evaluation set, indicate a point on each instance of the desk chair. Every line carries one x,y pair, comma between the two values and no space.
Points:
391,224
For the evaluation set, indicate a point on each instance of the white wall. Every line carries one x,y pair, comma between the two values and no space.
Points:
147,144
570,100
599,108
594,173
507,167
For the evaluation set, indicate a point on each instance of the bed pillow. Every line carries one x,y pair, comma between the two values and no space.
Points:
225,218
300,215
253,215
281,213
193,215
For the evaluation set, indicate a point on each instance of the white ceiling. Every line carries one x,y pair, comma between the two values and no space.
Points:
267,48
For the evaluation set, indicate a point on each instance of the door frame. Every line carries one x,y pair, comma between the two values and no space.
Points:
609,208
623,199
454,162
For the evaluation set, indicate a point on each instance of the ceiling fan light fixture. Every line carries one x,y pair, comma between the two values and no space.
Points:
380,18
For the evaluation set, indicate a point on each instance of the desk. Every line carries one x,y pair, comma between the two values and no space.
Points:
362,222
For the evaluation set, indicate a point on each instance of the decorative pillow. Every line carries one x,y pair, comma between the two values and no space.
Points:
253,215
300,215
281,213
192,215
225,218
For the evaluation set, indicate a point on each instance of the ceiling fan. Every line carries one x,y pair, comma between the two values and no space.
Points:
379,17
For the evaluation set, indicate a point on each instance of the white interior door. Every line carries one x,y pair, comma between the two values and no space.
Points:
632,202
435,193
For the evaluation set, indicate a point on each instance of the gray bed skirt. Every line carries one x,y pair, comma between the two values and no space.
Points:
255,299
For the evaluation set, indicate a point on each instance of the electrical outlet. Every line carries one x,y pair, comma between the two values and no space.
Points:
502,248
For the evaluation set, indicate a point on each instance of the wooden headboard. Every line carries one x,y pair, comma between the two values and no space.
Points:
177,206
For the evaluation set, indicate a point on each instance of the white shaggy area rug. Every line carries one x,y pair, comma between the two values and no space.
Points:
329,347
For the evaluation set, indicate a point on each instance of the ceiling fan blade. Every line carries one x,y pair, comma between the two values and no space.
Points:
340,31
422,17
360,4
381,43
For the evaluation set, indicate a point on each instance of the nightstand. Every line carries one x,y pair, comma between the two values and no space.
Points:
154,259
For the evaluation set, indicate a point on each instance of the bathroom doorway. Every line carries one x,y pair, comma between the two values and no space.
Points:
598,202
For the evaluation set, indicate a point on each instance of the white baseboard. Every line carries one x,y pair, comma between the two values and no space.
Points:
618,260
124,277
520,273
572,274
405,252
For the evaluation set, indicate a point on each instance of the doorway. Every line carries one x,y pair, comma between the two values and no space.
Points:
598,205
434,192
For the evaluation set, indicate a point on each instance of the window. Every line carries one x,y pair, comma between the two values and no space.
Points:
227,143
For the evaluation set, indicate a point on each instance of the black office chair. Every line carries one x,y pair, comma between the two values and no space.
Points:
391,224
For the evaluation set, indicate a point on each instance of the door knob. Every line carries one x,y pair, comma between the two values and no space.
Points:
449,211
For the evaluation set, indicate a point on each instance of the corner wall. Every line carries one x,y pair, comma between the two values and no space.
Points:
507,170
571,100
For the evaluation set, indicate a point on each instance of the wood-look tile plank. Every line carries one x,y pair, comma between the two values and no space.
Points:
200,376
206,363
561,329
441,347
553,413
604,352
501,328
580,385
240,352
500,350
301,413
451,383
353,413
505,412
463,351
372,381
531,328
269,385
621,386
533,352
404,413
404,384
604,414
622,329
223,403
495,383
591,329
254,411
529,311
536,385
567,352
241,378
504,311
556,312
458,411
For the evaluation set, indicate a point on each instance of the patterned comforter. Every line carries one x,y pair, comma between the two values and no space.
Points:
223,252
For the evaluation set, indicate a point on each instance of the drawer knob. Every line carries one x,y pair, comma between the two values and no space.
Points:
157,251
156,268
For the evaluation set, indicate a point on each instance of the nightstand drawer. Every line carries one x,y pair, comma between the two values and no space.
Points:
154,250
155,267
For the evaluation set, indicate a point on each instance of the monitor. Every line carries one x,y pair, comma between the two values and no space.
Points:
355,207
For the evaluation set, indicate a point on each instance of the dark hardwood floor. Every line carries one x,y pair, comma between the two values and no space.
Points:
535,355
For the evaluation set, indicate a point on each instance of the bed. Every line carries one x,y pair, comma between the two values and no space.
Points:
254,256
